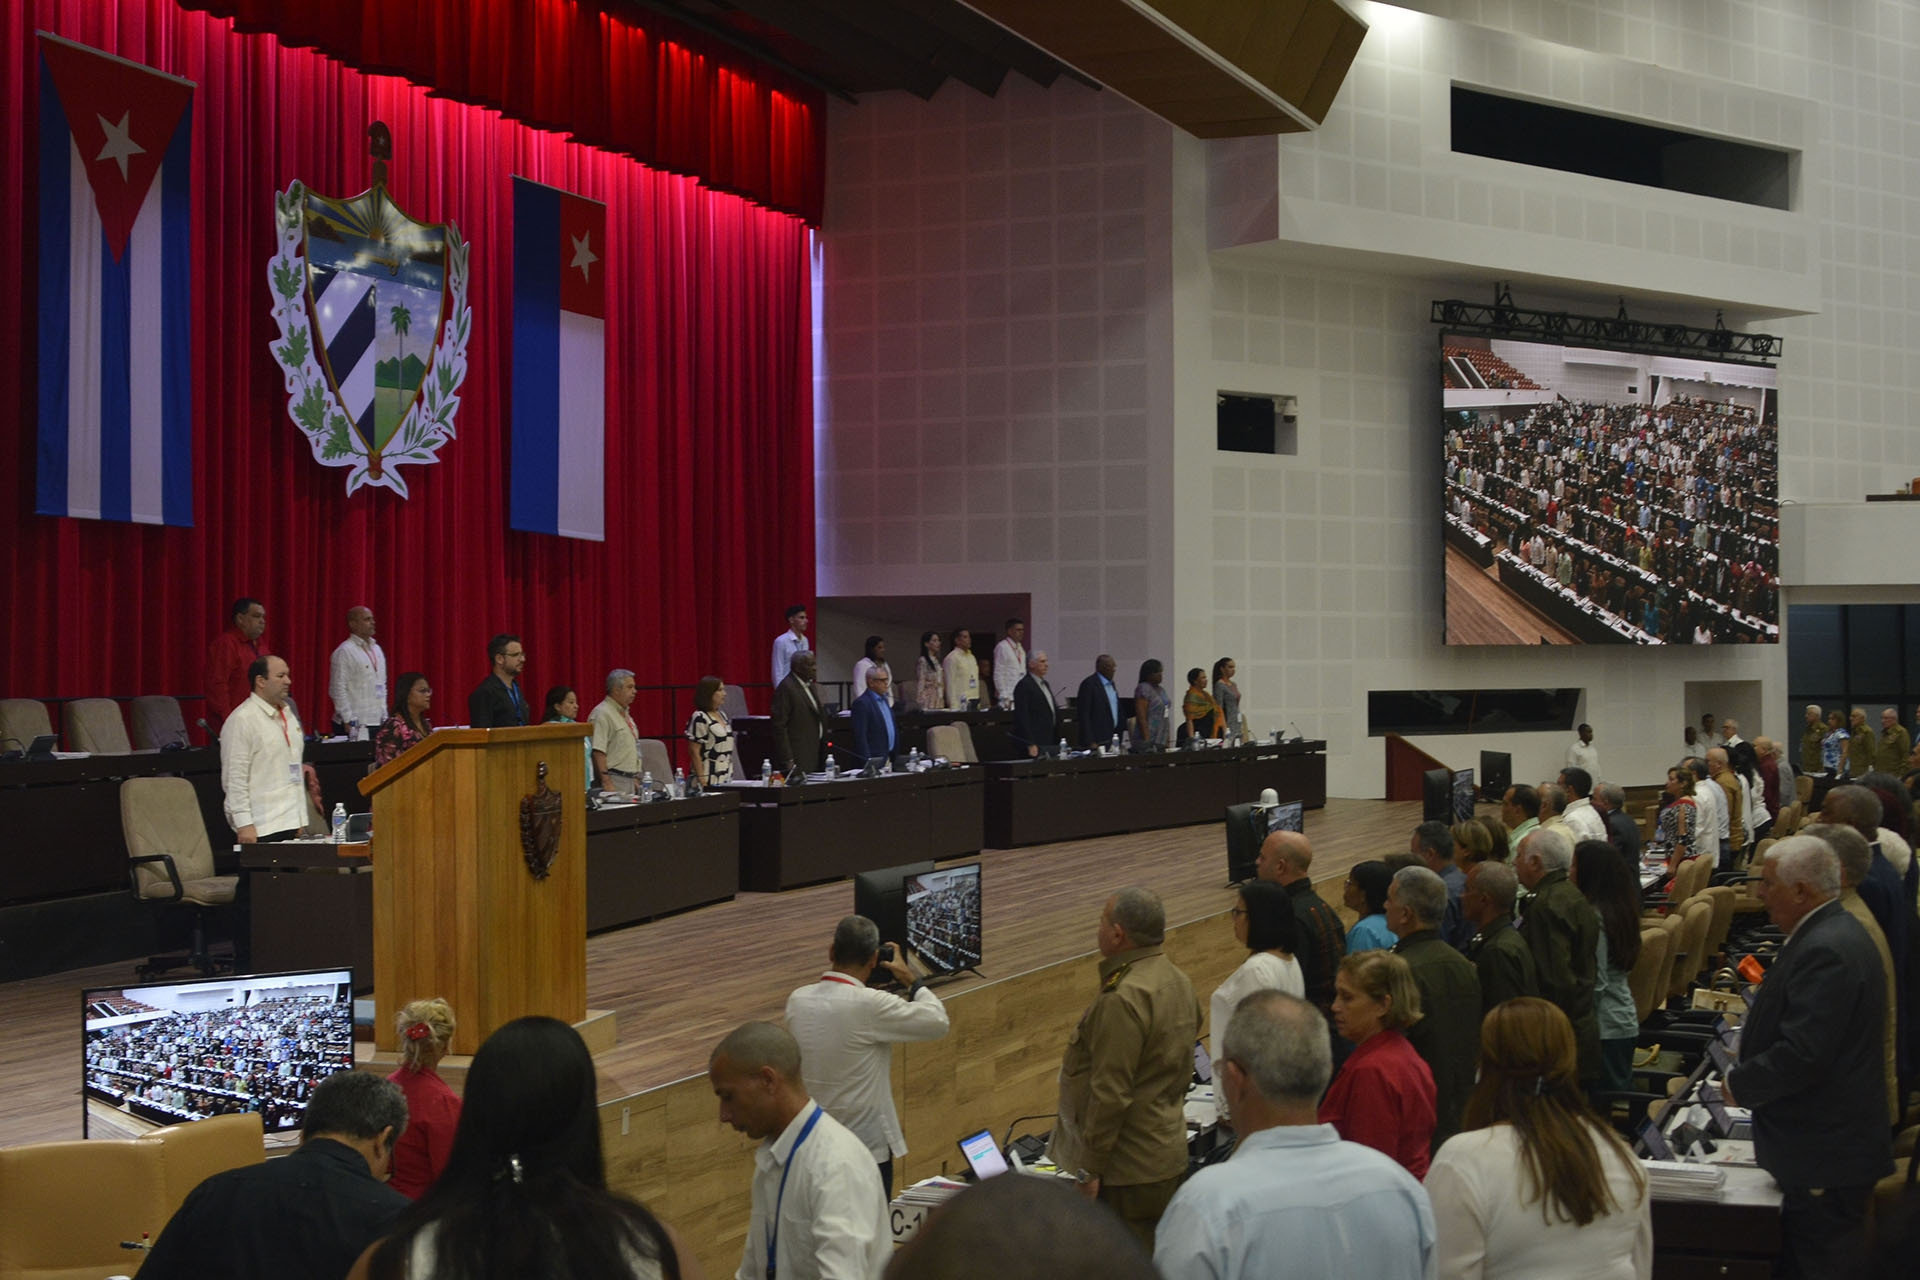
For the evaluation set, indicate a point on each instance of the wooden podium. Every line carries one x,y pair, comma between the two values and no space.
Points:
457,911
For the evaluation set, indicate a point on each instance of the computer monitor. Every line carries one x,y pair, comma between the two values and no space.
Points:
943,918
1289,816
1463,795
881,896
1496,774
1436,795
166,1052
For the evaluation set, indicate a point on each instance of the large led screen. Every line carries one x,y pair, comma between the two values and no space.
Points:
1605,497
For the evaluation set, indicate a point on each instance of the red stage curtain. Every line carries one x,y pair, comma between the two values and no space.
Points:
709,409
629,81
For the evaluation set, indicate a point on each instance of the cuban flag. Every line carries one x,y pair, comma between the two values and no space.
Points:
116,289
559,363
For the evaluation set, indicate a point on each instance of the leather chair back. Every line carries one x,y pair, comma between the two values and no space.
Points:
66,1206
21,721
162,815
1645,979
733,701
191,1153
1722,897
945,741
94,724
655,760
1693,946
1675,927
157,722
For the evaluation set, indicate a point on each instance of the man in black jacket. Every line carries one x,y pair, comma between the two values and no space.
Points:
306,1216
1812,1062
797,720
1448,1033
1097,706
496,702
1035,722
1498,952
1562,930
1286,858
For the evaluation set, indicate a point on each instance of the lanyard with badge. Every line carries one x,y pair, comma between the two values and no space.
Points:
773,1227
293,766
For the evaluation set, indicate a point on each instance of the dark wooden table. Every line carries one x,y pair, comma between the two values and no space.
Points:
647,860
829,830
310,907
1042,801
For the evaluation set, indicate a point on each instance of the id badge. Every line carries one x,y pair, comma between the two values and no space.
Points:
293,774
380,691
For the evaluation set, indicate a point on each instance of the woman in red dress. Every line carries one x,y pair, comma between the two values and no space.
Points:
1383,1097
433,1110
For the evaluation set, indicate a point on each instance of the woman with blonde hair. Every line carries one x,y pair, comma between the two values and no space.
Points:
433,1110
1579,1208
1471,844
1383,1097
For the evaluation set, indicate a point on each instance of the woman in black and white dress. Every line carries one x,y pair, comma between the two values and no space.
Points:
711,734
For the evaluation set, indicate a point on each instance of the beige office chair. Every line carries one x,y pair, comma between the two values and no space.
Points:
733,701
94,725
1803,788
66,1206
1692,959
952,741
21,721
157,723
191,1153
1645,980
170,863
655,760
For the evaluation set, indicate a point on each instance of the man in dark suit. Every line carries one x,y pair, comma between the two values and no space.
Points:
497,701
874,734
1498,952
1097,705
1811,1064
1035,722
1448,1033
797,722
1562,930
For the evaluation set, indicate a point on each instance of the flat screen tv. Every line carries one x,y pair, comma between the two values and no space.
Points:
881,896
1607,497
1463,795
1290,816
943,917
1496,773
165,1052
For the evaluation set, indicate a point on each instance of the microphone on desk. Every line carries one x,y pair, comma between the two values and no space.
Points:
1297,735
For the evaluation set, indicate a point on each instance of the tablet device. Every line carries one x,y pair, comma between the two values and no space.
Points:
1202,1063
1653,1142
983,1155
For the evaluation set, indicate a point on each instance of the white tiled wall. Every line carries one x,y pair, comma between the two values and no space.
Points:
1024,327
995,284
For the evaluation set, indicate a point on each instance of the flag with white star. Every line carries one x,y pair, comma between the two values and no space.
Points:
116,289
558,465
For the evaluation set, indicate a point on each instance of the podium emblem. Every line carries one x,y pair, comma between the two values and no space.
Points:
540,826
371,305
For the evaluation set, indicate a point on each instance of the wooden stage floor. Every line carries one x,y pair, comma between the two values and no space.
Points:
679,984
1482,611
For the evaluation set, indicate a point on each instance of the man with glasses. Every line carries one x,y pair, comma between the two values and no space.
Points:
497,702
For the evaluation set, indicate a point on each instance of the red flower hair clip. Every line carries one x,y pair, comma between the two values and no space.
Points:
419,1031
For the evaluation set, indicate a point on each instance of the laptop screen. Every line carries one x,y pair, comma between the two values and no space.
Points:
983,1155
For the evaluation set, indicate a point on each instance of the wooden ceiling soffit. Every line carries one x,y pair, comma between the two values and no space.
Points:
1216,68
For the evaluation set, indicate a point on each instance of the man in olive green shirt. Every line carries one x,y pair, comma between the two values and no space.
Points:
1893,746
1447,1036
1860,745
1123,1080
1811,737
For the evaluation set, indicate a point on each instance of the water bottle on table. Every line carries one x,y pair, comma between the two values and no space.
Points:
340,824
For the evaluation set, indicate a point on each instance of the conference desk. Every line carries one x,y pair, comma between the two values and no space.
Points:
828,830
1039,801
74,806
309,905
646,860
991,731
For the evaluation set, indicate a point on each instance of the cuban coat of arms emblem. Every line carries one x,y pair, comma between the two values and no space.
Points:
372,310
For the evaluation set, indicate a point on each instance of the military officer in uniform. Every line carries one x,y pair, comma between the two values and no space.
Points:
1123,1081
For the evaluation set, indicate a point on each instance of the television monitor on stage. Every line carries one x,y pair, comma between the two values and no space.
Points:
1289,816
1463,795
1249,825
1496,773
165,1052
881,896
1592,496
943,918
1436,795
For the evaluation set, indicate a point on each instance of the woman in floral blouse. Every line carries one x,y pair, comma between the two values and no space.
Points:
408,724
711,734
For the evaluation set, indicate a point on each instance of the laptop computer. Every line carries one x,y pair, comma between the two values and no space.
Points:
983,1155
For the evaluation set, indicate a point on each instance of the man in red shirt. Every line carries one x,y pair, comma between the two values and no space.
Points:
228,658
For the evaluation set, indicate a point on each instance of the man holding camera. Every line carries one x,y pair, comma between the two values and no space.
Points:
847,1030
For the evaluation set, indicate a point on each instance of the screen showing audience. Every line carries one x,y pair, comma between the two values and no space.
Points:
1604,497
164,1053
1291,816
943,917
